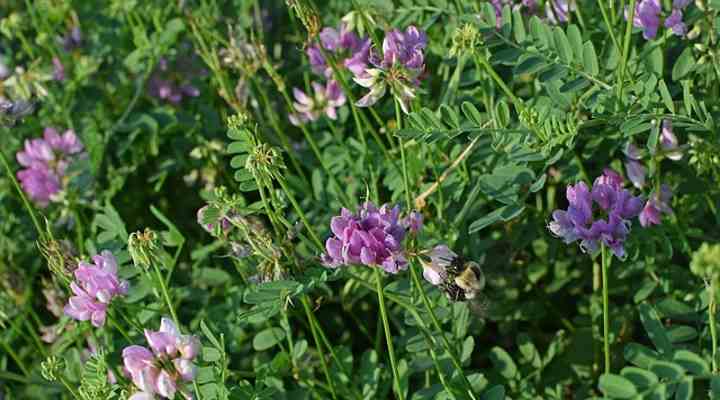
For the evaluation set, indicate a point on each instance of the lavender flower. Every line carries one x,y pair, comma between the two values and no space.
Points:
171,83
372,237
46,161
58,69
647,17
669,142
636,171
94,288
557,10
72,39
608,222
400,67
675,22
324,100
657,204
352,50
168,368
413,222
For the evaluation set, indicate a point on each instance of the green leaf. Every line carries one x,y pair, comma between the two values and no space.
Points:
665,94
682,333
211,354
209,335
691,362
519,27
268,338
530,65
471,113
496,392
654,329
553,73
640,355
503,362
111,224
590,61
641,378
683,65
575,38
563,45
537,29
577,84
503,213
667,370
654,61
684,390
617,386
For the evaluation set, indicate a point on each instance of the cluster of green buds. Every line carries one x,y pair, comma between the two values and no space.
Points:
59,255
242,54
706,262
260,160
145,248
52,367
464,40
308,15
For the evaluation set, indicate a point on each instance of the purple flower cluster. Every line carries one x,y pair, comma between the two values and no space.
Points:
648,17
46,161
324,100
601,214
94,288
165,368
372,237
171,83
352,50
400,67
556,11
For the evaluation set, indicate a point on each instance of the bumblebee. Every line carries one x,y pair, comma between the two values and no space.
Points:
466,280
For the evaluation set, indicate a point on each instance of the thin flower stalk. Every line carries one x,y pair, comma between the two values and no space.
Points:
388,334
712,311
606,315
323,362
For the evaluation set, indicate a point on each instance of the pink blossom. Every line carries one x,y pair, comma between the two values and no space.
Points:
94,288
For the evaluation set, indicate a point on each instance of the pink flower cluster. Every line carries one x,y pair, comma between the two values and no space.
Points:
165,368
46,160
323,100
372,237
94,288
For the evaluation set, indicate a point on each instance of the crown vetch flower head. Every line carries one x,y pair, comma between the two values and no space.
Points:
46,160
166,367
372,237
324,100
647,17
615,209
399,69
94,288
344,43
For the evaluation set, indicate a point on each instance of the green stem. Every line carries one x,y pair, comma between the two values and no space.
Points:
601,6
712,309
308,313
406,180
68,387
300,212
606,315
166,295
16,358
388,335
519,105
626,47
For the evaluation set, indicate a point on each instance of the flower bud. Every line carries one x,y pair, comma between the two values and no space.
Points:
142,246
